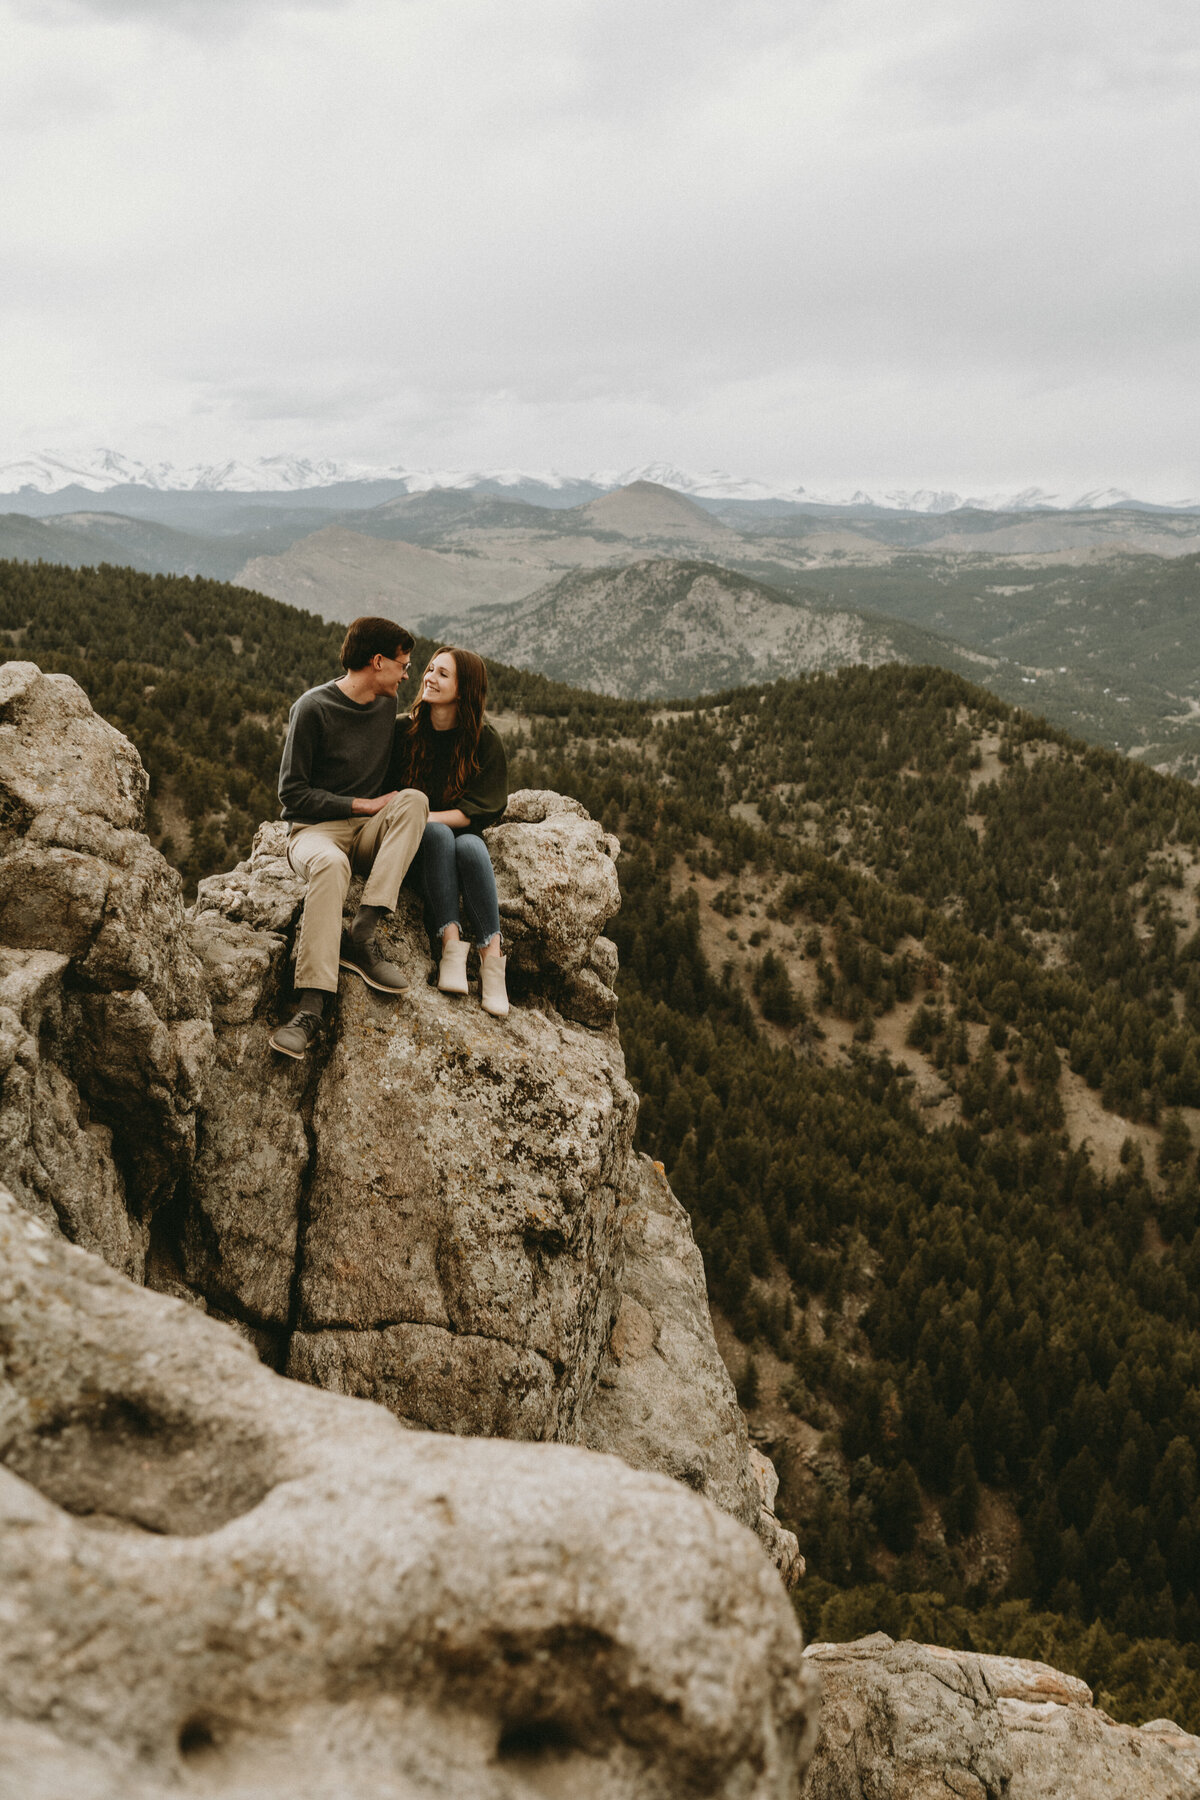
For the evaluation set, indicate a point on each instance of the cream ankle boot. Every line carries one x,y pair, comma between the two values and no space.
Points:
493,993
452,970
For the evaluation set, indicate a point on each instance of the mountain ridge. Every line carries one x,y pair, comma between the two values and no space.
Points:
666,627
48,472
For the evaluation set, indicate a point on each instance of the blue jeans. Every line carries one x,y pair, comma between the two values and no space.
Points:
451,859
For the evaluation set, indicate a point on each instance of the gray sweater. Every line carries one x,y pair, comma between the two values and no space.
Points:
336,750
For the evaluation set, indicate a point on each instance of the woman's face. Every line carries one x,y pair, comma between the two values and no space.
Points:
439,684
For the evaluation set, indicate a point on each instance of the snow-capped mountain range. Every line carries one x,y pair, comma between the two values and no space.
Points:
99,471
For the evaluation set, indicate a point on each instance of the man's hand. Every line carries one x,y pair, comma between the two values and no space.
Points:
365,808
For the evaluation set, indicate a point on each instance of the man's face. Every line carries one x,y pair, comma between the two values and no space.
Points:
390,671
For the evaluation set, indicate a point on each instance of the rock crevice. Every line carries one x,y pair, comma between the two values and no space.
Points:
105,1033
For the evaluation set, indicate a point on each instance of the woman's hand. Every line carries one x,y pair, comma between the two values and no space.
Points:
455,817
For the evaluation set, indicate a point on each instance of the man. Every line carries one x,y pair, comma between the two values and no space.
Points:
331,781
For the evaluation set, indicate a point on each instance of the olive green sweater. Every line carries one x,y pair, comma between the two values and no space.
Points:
486,793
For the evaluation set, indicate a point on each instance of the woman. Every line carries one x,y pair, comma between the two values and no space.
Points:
450,751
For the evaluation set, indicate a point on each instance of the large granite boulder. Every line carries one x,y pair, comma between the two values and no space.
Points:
923,1722
556,880
461,1243
216,1581
105,1038
426,1213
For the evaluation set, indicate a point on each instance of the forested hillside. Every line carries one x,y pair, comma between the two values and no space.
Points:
971,1345
911,991
1105,648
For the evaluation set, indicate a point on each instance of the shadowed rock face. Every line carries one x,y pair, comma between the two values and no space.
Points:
923,1722
664,1399
105,1038
218,1581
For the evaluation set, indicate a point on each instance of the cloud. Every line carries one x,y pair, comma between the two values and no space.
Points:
774,238
189,16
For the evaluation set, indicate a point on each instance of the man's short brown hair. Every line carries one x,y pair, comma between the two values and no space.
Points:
368,638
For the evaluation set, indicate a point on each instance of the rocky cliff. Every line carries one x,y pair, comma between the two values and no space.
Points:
105,1033
438,1212
217,1581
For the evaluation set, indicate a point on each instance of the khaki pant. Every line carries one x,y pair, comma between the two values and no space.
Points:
379,847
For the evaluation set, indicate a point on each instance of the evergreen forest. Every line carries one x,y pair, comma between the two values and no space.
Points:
910,990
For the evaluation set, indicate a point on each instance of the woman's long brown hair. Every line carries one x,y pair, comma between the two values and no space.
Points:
417,741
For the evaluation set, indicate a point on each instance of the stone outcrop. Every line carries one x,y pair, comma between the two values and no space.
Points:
443,1213
217,1581
556,880
923,1722
105,1040
428,1216
461,1245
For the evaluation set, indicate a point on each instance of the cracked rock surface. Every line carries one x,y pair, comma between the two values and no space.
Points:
918,1721
215,1581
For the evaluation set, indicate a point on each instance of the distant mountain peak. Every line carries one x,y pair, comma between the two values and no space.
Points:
649,508
98,471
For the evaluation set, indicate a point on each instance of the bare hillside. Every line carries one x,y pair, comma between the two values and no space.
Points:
341,574
646,510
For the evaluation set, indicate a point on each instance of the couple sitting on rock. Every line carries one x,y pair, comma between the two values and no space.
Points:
373,793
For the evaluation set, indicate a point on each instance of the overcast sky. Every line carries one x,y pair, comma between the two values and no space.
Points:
920,242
